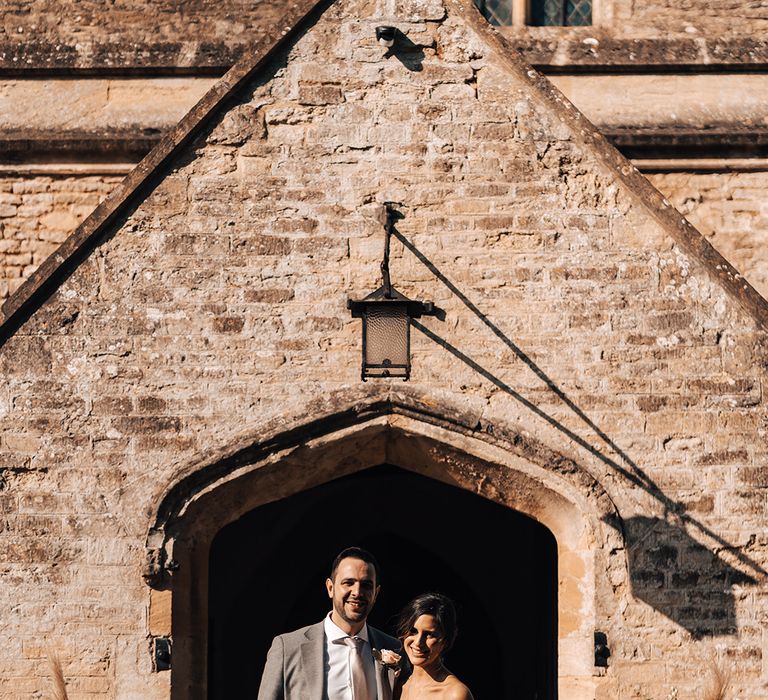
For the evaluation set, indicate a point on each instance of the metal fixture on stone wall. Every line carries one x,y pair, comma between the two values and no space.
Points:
387,315
602,652
386,36
162,653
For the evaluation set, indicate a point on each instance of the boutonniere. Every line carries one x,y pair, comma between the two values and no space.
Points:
387,657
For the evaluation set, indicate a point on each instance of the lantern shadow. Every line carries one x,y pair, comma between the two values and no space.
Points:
696,594
610,454
681,578
409,54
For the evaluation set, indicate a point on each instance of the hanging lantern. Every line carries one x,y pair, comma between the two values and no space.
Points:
386,315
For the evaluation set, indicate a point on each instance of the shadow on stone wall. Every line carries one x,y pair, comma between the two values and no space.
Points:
669,569
409,54
680,578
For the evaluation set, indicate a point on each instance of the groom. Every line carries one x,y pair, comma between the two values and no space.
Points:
339,658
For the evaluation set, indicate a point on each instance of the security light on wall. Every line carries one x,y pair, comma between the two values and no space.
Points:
386,315
386,36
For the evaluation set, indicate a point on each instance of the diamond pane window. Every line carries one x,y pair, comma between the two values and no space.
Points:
578,13
561,13
497,12
542,13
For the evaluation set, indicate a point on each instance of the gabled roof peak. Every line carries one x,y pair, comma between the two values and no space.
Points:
299,15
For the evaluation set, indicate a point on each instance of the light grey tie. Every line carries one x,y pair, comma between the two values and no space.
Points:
357,668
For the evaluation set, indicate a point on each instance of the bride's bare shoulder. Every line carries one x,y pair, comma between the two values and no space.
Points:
456,690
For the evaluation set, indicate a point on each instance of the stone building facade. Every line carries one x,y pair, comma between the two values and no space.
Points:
86,89
38,214
182,387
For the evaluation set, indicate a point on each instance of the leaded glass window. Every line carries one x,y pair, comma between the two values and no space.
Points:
542,13
497,12
561,13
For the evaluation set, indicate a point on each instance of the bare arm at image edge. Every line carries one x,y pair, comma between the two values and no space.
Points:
271,687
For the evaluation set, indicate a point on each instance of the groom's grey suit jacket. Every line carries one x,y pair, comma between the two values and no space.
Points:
295,668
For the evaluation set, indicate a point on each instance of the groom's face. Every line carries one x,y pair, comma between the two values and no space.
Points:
353,591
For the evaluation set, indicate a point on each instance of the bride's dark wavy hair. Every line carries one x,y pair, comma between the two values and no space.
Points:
436,604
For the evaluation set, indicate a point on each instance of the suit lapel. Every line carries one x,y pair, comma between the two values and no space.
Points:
384,678
313,660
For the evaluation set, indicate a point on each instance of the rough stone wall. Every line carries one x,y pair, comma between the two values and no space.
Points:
44,109
730,210
37,214
46,23
661,17
136,21
219,306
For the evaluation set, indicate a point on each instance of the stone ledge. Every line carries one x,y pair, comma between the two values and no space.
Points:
689,143
591,49
15,143
44,146
549,49
119,58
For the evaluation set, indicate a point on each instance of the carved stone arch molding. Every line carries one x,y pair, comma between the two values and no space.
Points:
346,434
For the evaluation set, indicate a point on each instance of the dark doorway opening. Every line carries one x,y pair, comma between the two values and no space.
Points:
267,574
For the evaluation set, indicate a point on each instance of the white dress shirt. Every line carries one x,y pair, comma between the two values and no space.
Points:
338,674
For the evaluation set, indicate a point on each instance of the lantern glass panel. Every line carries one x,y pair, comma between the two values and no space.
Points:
386,341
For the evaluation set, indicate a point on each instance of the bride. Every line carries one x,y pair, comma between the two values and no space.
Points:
427,628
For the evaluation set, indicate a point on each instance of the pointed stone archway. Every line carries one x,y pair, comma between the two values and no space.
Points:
267,570
550,493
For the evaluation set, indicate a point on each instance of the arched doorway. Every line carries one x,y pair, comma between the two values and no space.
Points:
496,468
267,570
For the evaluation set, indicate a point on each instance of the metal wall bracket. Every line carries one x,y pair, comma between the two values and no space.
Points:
161,653
602,652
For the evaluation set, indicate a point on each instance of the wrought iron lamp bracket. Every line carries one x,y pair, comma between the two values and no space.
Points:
386,315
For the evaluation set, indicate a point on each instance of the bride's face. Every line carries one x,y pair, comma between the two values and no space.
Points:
424,643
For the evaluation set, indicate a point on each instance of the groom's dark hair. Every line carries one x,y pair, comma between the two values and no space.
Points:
356,553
